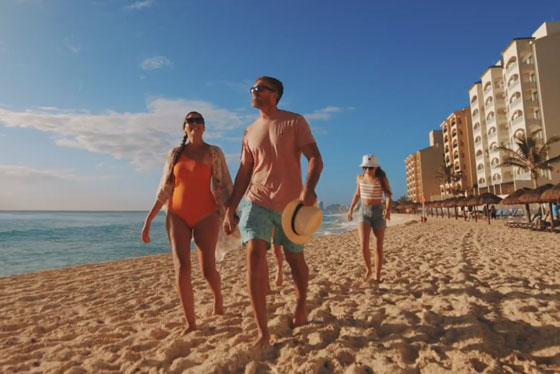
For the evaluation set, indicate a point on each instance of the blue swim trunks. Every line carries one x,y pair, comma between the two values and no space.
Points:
257,222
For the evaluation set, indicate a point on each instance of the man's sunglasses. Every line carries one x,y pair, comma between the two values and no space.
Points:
192,120
260,88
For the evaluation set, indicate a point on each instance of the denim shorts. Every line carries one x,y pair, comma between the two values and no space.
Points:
257,222
373,215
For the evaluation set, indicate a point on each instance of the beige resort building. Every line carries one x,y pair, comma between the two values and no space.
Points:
458,153
518,95
421,170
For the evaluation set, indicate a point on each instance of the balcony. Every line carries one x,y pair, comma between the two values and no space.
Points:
491,120
511,67
515,102
487,89
512,84
517,120
529,83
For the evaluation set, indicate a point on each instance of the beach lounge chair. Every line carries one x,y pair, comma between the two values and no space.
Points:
511,222
503,213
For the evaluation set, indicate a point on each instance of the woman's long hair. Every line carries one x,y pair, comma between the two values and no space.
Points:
171,177
382,177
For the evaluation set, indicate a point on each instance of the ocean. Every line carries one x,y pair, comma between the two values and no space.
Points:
43,240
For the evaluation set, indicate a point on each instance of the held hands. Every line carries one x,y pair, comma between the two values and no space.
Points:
231,220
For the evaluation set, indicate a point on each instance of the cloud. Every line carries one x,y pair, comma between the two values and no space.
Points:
25,173
323,114
72,45
138,5
144,138
154,63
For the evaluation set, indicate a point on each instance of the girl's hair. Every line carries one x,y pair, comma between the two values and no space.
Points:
380,174
178,154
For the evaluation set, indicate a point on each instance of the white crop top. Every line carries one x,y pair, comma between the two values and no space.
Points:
371,191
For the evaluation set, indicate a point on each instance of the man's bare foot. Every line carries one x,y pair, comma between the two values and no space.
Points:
262,341
189,330
218,310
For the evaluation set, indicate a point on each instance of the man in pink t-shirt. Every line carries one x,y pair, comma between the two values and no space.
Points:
270,173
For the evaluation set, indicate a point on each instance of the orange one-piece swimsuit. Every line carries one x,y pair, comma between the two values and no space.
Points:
192,197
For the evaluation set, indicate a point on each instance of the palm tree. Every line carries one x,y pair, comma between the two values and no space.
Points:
447,175
531,154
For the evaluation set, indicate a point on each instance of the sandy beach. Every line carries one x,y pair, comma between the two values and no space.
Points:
459,297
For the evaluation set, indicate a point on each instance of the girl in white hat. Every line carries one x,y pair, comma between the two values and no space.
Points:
371,186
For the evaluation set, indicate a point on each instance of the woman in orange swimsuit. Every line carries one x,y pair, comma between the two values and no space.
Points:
195,184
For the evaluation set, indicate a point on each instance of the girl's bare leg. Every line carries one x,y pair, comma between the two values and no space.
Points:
206,237
379,235
364,230
180,235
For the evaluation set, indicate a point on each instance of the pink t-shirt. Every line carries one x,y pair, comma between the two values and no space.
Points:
274,146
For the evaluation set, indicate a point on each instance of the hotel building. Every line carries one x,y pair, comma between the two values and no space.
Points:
458,153
422,168
490,130
519,95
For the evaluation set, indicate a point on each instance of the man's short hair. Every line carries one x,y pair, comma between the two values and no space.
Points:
276,84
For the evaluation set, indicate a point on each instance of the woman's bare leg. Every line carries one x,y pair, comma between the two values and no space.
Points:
364,230
379,236
180,235
206,236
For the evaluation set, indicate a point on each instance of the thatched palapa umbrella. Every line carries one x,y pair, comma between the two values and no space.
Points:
488,198
549,196
456,203
534,196
471,201
448,204
513,199
438,204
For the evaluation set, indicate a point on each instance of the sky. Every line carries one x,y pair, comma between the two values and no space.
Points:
93,93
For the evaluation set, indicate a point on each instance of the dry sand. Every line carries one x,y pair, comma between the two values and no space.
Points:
458,297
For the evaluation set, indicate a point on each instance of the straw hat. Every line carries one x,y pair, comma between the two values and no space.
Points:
370,161
300,222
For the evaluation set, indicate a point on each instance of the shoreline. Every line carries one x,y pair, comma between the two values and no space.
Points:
396,220
457,297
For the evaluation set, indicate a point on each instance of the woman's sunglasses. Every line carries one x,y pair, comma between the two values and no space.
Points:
368,167
193,120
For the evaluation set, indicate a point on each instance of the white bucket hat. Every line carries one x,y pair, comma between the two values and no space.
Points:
300,222
370,161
